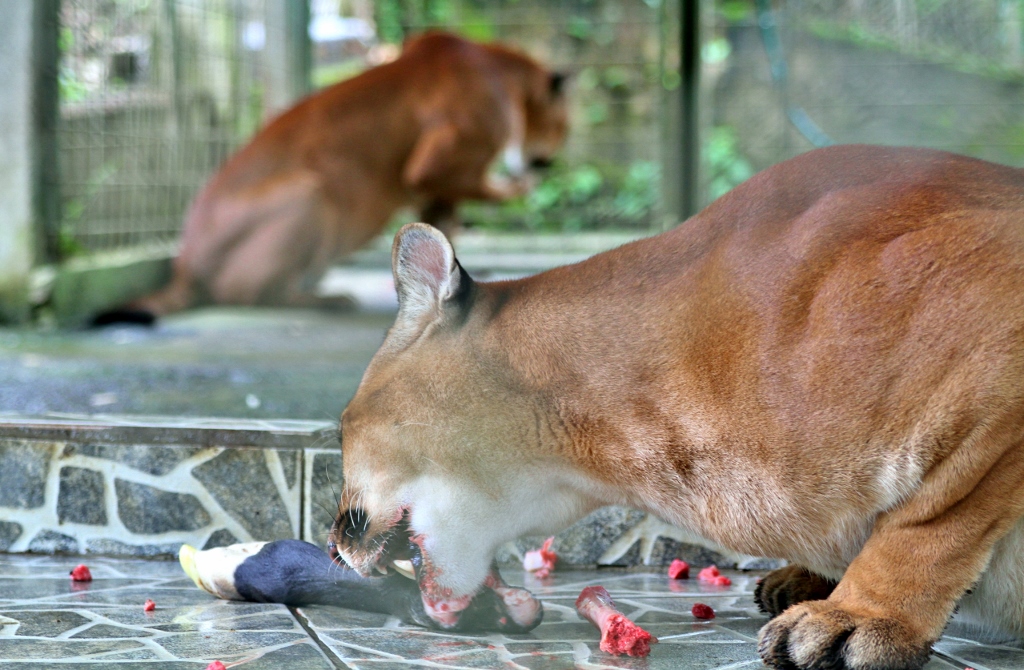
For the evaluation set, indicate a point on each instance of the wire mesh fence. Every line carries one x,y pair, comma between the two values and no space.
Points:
979,30
946,74
156,93
153,97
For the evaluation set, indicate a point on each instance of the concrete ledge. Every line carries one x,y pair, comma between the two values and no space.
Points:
84,287
81,288
166,430
510,252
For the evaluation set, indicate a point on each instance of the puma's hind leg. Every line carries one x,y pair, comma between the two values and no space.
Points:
995,603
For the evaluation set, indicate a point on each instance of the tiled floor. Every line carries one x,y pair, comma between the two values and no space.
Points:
46,620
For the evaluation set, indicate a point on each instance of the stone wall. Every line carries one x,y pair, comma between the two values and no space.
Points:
144,486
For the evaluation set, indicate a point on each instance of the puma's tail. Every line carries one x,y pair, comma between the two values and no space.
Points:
179,294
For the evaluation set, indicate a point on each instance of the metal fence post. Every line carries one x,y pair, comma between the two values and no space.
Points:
288,54
29,203
689,136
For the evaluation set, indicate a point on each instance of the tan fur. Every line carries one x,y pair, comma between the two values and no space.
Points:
825,365
326,176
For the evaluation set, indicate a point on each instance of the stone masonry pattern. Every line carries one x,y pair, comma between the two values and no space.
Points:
145,499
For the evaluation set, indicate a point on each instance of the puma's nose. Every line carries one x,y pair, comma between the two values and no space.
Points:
352,524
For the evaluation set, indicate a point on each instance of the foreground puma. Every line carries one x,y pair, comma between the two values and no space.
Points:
825,365
326,176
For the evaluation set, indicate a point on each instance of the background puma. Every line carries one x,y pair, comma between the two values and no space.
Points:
326,176
825,365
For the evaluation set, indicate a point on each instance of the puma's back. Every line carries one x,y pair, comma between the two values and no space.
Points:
825,365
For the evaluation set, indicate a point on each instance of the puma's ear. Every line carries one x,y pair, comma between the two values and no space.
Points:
426,272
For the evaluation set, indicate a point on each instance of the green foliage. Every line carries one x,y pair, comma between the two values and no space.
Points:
68,244
580,28
388,16
70,88
725,165
1010,140
396,19
715,50
587,196
736,11
325,75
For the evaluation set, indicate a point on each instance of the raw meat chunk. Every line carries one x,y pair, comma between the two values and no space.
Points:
81,574
679,569
541,561
702,611
619,635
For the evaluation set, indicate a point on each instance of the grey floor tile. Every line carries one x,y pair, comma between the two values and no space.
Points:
102,631
322,617
982,656
303,655
47,620
26,649
48,623
937,663
104,663
226,645
689,656
398,643
39,588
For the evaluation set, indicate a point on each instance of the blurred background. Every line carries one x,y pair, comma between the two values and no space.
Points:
115,112
154,94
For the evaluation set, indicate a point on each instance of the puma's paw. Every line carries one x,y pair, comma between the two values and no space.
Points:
820,635
788,586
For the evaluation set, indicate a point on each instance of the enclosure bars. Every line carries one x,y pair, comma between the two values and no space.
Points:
689,136
28,199
291,50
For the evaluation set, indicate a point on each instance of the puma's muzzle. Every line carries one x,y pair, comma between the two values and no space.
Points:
371,547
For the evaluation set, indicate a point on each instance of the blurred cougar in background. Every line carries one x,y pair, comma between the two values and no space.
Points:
325,177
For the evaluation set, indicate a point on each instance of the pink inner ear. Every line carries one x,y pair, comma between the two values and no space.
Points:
425,259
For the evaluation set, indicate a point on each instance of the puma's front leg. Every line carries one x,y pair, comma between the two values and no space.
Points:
443,215
897,595
498,188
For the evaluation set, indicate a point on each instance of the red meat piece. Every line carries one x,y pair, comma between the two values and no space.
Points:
711,575
216,665
708,573
619,635
702,611
679,569
81,574
148,606
541,561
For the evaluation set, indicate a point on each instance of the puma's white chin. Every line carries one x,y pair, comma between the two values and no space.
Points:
456,528
451,573
448,580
